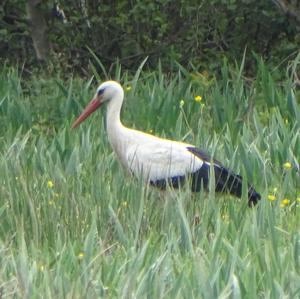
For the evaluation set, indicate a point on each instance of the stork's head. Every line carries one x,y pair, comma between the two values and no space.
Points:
108,91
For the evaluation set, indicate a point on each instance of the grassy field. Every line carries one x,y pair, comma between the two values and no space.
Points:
73,225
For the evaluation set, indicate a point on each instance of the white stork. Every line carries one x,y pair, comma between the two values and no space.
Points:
160,162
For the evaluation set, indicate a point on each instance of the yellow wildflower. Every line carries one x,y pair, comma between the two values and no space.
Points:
41,268
181,103
198,99
298,199
275,189
81,255
50,184
285,202
271,197
128,88
287,165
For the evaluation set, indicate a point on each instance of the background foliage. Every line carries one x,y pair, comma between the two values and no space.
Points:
201,33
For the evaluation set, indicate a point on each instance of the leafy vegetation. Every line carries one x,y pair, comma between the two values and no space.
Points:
198,33
74,226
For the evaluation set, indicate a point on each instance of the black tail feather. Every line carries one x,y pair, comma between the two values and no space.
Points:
225,180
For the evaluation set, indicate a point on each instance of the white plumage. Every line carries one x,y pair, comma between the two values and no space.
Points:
160,161
155,158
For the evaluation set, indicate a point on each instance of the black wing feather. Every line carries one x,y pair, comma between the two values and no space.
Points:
225,179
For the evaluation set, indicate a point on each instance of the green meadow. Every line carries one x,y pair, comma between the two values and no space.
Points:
73,224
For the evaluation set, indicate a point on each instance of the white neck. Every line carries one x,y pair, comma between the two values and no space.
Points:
115,130
113,113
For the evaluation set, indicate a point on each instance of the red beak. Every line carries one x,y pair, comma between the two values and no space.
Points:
89,109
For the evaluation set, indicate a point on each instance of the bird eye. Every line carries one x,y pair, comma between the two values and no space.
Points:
101,91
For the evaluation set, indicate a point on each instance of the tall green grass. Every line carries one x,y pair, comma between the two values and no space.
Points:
73,225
